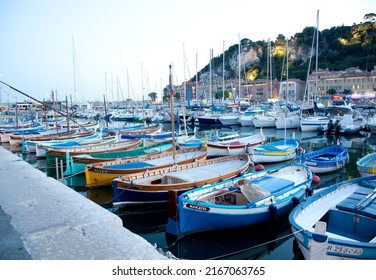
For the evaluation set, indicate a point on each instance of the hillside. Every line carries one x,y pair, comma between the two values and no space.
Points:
339,48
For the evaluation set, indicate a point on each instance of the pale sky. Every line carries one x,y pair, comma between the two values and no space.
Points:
141,38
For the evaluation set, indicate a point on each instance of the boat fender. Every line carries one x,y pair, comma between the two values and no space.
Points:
217,200
316,179
295,201
259,167
273,213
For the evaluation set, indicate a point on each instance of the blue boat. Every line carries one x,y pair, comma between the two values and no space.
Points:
246,200
325,160
338,222
367,165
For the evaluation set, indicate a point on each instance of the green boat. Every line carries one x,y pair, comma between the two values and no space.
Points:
76,164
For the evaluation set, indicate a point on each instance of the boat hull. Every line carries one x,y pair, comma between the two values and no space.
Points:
224,205
155,186
367,165
339,222
326,160
278,151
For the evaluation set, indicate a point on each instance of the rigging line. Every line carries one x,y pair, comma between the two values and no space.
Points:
49,106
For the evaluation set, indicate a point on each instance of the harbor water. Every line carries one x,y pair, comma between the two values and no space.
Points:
272,241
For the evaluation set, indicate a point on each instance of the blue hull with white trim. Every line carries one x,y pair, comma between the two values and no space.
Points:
242,201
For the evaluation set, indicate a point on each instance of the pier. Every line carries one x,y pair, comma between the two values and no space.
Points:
43,219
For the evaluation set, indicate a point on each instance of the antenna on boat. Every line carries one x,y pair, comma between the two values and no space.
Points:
172,114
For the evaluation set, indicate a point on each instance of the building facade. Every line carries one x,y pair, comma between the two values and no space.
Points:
352,82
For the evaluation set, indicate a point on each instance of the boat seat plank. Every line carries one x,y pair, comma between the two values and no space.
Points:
352,203
130,165
273,184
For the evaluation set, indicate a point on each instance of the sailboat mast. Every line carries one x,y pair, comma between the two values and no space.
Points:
239,63
223,72
210,78
196,91
271,70
74,72
128,89
317,53
184,95
172,114
287,83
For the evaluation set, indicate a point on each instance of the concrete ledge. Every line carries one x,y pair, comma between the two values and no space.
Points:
55,222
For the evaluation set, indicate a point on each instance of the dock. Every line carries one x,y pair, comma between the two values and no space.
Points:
43,219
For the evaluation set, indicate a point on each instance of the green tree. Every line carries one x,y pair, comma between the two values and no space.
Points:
331,91
219,94
166,94
153,96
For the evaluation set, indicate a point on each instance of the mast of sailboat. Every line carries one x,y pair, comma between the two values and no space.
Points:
239,63
287,83
184,95
128,90
223,73
172,114
54,99
66,105
74,71
210,80
317,53
271,70
196,90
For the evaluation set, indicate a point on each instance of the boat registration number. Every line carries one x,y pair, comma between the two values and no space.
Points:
197,207
311,163
345,250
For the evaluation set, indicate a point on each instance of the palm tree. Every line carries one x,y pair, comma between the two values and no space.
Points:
153,96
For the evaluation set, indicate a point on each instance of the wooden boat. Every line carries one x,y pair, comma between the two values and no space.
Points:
63,154
141,130
76,163
5,133
154,135
153,186
339,222
16,139
31,143
367,165
246,200
102,174
239,145
325,160
276,151
42,147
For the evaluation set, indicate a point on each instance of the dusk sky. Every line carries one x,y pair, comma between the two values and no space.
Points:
141,38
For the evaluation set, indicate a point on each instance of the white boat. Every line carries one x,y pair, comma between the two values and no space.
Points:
235,146
367,165
276,151
264,121
338,222
247,118
288,122
313,123
229,119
